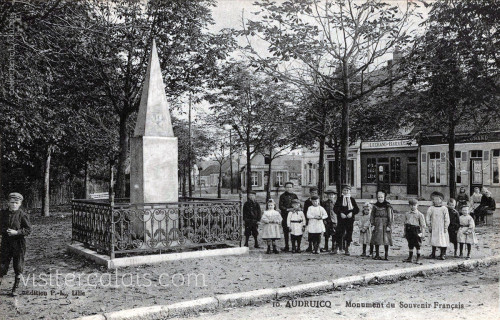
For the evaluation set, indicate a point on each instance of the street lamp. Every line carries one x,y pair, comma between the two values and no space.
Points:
229,127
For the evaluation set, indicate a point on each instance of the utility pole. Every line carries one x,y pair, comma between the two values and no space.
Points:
231,158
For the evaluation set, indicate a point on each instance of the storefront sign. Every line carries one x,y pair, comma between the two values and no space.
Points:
389,144
480,137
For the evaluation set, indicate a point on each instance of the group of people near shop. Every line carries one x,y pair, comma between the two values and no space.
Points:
333,219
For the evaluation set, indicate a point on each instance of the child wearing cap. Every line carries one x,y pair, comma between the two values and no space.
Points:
296,223
365,232
271,230
414,228
251,216
466,234
454,224
316,226
15,226
438,220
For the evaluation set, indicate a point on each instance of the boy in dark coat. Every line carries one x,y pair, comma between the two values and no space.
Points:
251,217
285,206
454,224
345,208
15,225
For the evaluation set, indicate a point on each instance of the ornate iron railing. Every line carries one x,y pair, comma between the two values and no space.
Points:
126,228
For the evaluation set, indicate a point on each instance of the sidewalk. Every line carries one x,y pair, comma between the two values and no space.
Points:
182,280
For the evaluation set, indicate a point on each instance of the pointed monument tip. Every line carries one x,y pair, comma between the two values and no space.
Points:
154,115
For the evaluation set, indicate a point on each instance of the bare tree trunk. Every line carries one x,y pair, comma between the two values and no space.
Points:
249,170
87,180
336,169
219,182
190,162
183,177
111,189
1,189
46,184
344,137
269,170
451,149
321,166
122,158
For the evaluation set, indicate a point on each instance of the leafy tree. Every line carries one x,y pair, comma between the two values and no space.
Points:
252,103
453,71
338,42
120,36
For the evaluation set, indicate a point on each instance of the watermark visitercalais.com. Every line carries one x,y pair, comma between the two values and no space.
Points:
51,284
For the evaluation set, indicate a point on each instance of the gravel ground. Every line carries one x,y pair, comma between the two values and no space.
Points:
87,289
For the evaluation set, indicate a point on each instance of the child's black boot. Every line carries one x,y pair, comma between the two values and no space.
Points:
15,286
268,249
274,249
410,256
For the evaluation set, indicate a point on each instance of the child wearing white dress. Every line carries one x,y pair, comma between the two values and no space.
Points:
466,233
316,214
272,221
438,220
365,231
296,223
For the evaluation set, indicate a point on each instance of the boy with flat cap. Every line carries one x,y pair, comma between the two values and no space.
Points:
345,208
285,207
251,216
14,226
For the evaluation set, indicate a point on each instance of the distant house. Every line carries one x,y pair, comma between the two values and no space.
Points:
209,176
283,169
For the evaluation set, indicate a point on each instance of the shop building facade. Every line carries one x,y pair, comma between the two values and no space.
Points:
477,163
389,165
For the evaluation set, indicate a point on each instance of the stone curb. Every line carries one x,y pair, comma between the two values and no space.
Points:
250,297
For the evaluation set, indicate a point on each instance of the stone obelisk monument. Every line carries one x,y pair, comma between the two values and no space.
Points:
153,148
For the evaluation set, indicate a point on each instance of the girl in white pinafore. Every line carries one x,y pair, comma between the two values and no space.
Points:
272,224
438,220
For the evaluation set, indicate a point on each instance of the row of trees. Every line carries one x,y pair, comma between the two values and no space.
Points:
333,55
72,72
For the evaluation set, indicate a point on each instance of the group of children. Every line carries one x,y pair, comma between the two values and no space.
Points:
444,224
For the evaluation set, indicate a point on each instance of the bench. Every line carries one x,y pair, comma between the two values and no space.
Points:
99,196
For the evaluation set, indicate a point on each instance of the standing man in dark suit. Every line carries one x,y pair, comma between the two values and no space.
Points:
345,208
285,206
313,192
251,217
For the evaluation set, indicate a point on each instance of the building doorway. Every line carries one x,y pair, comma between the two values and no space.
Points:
412,179
476,169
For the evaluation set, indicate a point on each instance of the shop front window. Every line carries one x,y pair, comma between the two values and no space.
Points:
434,167
495,166
395,170
371,170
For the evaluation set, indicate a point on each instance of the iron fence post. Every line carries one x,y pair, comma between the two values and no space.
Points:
112,244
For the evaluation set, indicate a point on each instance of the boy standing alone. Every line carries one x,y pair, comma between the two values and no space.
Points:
15,225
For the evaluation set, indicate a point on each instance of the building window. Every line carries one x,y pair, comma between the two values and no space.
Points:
350,172
458,166
255,179
434,167
395,170
495,165
267,160
280,178
476,154
310,174
371,170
